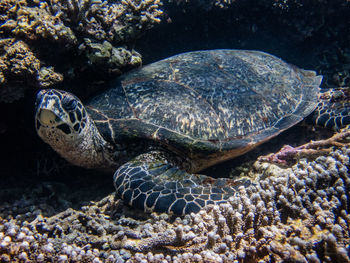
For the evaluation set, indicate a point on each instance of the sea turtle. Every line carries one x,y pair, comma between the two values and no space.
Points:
159,125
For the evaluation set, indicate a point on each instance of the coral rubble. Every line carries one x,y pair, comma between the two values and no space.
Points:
297,213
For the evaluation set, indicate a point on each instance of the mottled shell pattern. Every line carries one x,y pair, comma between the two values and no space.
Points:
207,102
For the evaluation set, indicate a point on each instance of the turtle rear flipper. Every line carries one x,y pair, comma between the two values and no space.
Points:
333,109
151,183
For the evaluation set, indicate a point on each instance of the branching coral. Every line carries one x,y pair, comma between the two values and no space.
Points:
61,20
8,8
36,22
105,20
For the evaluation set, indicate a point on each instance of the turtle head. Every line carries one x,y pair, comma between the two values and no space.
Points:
62,121
61,112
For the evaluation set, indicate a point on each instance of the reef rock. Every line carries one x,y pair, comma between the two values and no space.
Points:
18,67
66,26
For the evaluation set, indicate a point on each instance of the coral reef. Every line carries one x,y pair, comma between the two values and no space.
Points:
36,22
69,26
18,62
62,21
299,213
295,213
109,57
105,20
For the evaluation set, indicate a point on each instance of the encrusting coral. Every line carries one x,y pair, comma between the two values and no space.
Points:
298,213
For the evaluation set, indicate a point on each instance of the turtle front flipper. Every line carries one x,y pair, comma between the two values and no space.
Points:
333,109
151,183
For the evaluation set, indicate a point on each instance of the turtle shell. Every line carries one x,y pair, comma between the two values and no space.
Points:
218,102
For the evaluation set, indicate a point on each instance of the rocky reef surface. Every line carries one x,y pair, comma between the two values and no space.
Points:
36,37
296,213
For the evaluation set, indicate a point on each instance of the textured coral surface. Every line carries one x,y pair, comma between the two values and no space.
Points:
298,213
66,26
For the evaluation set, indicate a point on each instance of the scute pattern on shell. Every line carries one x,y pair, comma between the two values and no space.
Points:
218,95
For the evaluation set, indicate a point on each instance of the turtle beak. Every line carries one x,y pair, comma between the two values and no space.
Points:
47,117
49,112
45,109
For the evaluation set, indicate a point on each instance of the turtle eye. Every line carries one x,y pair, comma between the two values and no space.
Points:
69,104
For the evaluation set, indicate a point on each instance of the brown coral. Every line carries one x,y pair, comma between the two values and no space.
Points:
17,61
19,67
20,59
36,22
8,8
114,22
69,25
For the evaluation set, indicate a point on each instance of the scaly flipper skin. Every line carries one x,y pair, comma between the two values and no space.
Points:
333,109
151,183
